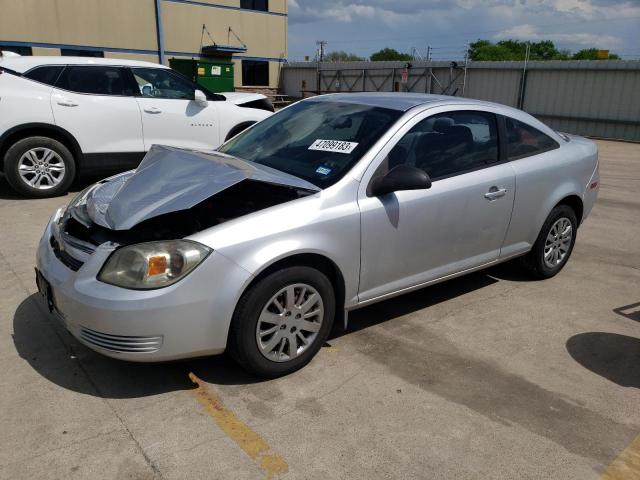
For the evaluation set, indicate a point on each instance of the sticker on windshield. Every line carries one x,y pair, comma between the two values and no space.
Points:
323,170
335,146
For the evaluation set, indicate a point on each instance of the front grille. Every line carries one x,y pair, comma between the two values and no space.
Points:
73,263
121,343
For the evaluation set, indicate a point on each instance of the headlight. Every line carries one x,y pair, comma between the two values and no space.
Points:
146,266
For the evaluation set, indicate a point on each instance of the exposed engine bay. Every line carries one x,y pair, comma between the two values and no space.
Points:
241,199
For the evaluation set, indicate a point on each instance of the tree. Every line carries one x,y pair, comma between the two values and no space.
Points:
483,50
389,54
592,54
341,56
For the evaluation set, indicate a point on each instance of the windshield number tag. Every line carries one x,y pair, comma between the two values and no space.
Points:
335,146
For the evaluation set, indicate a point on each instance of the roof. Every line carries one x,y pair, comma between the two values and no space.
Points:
393,100
26,63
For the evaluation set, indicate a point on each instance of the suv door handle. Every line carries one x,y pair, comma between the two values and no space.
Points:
65,102
494,193
152,110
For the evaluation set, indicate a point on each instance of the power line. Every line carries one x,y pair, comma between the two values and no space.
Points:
477,32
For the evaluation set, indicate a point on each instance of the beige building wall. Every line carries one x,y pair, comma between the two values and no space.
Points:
127,28
113,23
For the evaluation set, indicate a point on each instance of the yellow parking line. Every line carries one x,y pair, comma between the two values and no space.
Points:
248,440
627,465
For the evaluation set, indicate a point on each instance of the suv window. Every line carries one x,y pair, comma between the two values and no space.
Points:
523,140
448,143
162,83
46,74
96,80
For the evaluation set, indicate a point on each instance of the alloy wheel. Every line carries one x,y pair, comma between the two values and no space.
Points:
41,168
289,323
558,242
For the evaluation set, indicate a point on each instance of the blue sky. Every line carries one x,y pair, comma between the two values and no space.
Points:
363,27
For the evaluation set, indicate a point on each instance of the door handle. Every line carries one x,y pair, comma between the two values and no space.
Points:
494,193
65,102
152,110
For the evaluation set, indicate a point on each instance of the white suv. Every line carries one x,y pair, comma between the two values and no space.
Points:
61,116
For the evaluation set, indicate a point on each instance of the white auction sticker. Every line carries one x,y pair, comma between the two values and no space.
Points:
335,146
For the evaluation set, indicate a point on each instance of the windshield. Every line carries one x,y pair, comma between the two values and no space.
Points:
315,140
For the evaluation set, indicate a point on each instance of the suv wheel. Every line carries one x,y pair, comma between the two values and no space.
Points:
554,244
39,167
282,321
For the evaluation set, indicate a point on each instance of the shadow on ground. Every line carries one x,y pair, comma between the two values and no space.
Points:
42,341
631,311
610,355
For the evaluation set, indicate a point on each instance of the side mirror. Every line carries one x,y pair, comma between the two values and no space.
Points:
200,98
402,177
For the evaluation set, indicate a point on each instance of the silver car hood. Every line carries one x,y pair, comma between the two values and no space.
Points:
171,179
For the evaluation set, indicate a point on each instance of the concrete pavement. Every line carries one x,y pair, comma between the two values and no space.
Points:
485,376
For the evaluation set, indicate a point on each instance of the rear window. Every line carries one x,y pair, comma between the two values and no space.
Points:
524,141
46,74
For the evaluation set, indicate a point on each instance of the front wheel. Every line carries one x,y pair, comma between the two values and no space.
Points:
282,321
39,167
554,244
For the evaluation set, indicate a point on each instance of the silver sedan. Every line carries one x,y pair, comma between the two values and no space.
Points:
333,203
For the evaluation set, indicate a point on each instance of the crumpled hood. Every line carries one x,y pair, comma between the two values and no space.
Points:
171,179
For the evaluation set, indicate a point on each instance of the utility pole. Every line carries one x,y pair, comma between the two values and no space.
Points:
321,44
523,83
428,53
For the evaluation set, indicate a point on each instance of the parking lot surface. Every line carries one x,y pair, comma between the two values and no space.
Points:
486,376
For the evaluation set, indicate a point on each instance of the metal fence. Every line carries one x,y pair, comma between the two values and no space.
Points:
593,98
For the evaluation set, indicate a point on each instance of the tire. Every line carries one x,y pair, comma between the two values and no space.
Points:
250,340
237,129
557,247
43,160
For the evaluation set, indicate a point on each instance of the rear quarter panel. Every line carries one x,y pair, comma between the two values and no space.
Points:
23,101
542,181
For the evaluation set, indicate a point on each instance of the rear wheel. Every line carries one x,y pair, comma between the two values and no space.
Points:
39,167
282,321
554,244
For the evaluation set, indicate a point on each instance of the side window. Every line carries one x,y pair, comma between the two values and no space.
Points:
47,74
95,80
449,143
162,83
524,140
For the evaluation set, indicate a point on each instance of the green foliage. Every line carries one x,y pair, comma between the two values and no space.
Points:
592,54
389,54
484,50
341,56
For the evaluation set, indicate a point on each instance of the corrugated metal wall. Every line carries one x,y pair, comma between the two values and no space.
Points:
594,98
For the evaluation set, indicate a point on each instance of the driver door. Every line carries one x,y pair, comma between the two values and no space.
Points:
413,237
170,116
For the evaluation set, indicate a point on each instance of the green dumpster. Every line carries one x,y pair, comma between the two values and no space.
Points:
214,75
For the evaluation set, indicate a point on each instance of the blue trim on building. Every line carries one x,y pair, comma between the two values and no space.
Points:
127,50
226,7
80,47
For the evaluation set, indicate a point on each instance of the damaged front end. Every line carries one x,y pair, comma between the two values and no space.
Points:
174,193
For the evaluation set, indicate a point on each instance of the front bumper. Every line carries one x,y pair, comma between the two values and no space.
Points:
190,318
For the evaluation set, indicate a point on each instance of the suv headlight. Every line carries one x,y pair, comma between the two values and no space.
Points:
145,266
